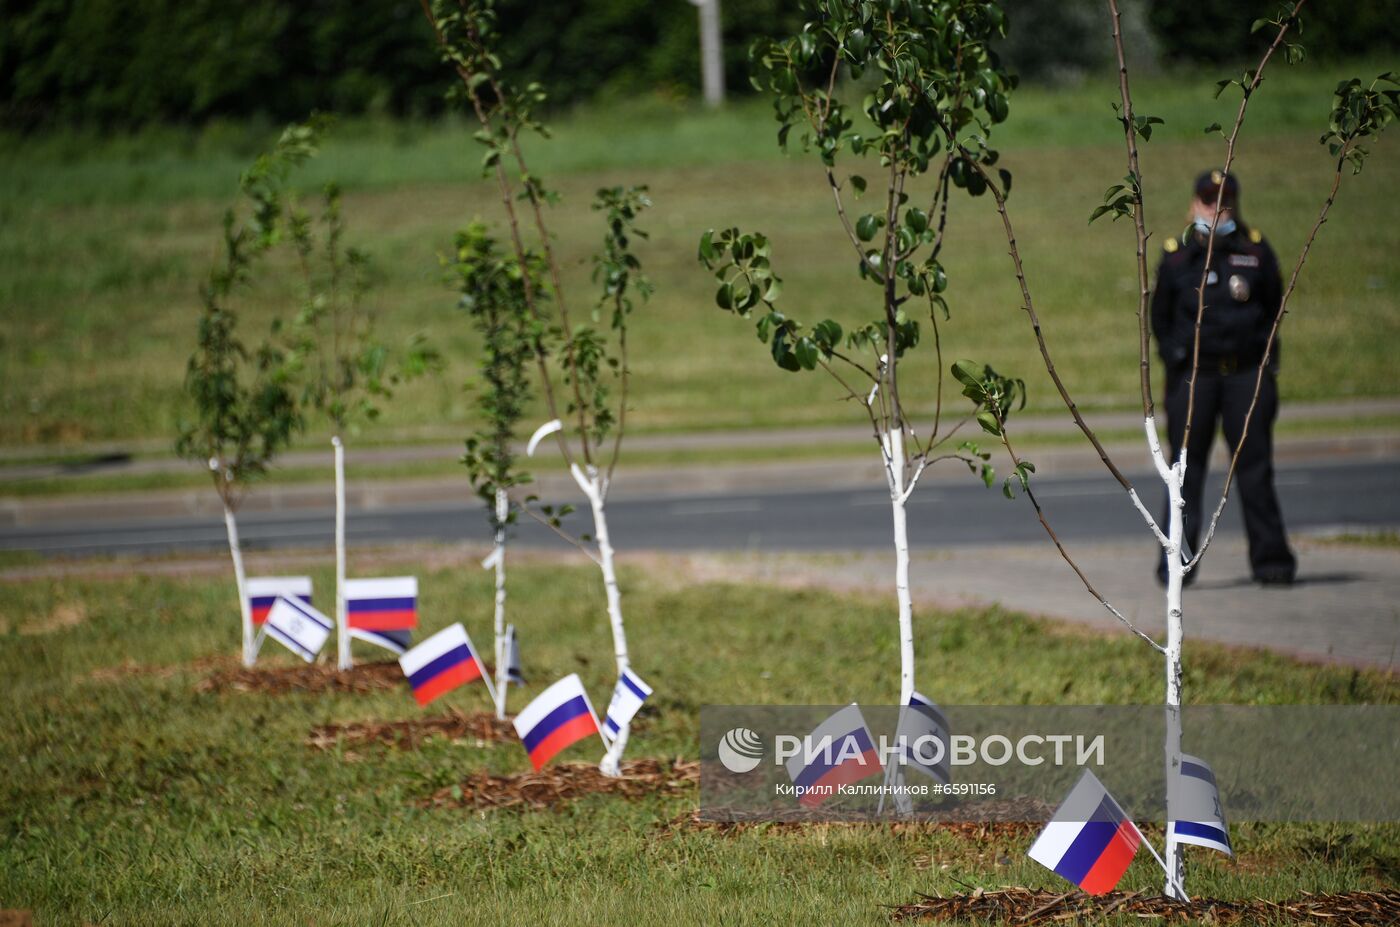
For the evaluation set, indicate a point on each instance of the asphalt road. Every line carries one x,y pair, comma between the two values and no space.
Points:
944,514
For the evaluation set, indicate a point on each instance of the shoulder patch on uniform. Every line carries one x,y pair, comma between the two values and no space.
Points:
1256,236
1170,245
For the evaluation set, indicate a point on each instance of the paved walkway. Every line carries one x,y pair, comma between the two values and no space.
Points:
1345,607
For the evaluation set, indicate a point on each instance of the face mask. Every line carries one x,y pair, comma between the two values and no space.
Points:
1224,227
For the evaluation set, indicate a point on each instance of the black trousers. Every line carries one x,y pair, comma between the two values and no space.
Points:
1224,398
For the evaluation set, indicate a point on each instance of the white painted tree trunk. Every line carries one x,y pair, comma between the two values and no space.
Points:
1174,477
342,632
592,488
499,556
894,473
250,651
1175,858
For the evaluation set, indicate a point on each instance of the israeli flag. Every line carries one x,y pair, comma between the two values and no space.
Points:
515,676
923,738
1193,808
627,699
298,627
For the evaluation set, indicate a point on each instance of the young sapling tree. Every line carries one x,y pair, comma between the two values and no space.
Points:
491,291
582,365
343,368
935,89
245,409
1360,111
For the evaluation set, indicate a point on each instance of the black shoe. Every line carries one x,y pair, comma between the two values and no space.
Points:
1281,576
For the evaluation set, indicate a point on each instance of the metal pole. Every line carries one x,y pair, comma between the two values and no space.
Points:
711,52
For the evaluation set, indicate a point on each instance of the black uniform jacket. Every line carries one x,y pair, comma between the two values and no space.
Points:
1243,291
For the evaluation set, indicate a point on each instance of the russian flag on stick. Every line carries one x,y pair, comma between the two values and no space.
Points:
1090,840
1194,814
263,590
440,664
393,641
298,627
839,751
627,699
558,717
387,604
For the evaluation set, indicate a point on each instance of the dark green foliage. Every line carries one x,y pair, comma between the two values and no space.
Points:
125,62
492,293
245,406
936,88
1360,111
1219,31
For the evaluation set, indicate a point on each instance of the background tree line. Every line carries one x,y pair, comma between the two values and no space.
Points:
121,63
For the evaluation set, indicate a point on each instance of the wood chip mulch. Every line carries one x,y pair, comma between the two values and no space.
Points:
307,677
692,821
409,735
1023,906
554,786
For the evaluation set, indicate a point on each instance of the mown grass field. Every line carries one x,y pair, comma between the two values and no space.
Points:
103,241
131,798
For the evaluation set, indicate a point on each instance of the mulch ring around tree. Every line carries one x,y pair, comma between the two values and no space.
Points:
482,726
1023,906
692,821
307,677
554,786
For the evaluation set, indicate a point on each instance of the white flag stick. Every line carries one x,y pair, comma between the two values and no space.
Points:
1179,887
490,686
542,432
342,631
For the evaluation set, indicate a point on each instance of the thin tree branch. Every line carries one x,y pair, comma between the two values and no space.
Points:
565,325
517,244
1045,523
1015,253
583,548
1264,362
625,377
1247,92
1139,217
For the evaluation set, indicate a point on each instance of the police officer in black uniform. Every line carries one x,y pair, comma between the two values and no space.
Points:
1242,294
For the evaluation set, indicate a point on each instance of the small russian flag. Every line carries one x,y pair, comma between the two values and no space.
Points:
558,717
386,604
839,751
1090,840
264,590
440,664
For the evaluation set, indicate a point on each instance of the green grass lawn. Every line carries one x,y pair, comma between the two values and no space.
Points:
103,241
133,798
